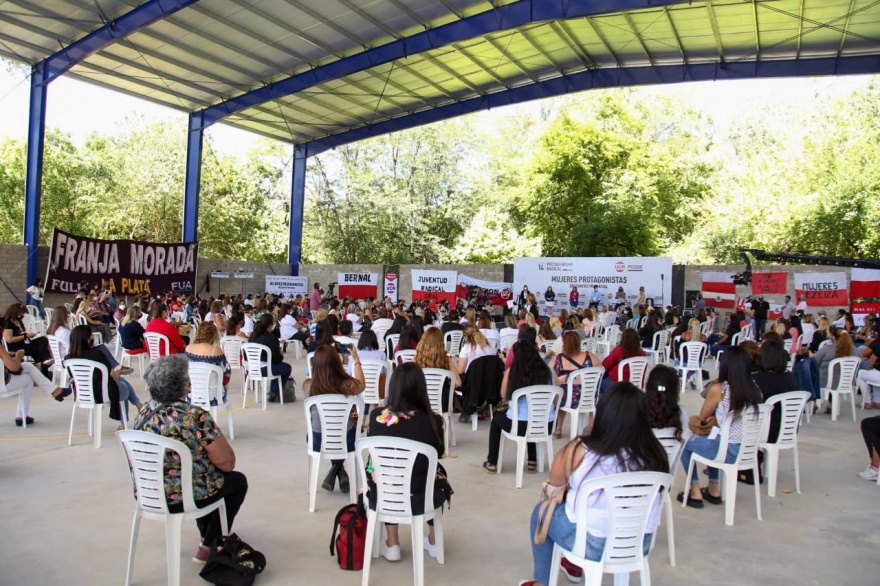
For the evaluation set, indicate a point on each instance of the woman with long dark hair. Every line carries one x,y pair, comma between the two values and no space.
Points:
620,441
407,414
629,347
17,338
527,369
329,378
733,392
263,335
663,389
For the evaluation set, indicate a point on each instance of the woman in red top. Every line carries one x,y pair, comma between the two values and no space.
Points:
629,347
159,324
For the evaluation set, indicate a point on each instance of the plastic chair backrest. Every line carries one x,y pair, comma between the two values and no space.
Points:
629,498
253,354
55,348
542,401
435,379
452,340
146,458
825,342
380,336
393,459
735,339
612,335
49,312
81,372
660,340
507,340
156,343
672,446
791,405
196,320
846,368
786,344
704,328
544,347
3,391
205,383
590,378
33,311
752,428
81,320
391,342
30,323
231,346
638,368
372,370
692,354
334,413
404,356
588,345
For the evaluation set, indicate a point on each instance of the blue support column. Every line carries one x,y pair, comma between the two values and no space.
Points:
194,140
33,185
297,207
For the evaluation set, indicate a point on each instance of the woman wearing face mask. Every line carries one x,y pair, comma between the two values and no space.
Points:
36,348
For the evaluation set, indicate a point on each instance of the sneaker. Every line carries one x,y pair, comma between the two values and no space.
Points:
431,548
392,554
869,473
202,554
571,571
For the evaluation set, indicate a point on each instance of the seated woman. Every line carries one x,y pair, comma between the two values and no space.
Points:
368,346
841,347
546,333
409,339
17,338
431,353
329,378
89,313
119,389
58,327
215,314
407,414
487,327
720,342
571,358
662,390
620,441
290,328
555,326
773,379
629,347
734,391
159,324
510,326
24,375
527,369
234,325
263,335
206,349
646,333
474,345
131,332
214,477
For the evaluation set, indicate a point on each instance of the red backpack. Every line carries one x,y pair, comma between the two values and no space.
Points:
351,522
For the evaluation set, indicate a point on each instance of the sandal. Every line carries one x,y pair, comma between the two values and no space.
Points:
531,467
557,434
490,468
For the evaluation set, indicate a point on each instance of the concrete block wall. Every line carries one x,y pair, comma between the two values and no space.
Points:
13,271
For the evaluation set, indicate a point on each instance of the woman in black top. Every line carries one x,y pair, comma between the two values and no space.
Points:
18,339
773,379
407,414
263,335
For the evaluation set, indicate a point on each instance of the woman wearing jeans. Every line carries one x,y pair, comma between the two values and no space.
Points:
731,393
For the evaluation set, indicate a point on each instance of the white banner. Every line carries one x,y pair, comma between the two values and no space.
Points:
499,292
242,274
219,274
286,285
392,280
654,273
821,289
435,286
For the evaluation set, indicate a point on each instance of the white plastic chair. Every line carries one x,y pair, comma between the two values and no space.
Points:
659,343
404,356
158,345
590,378
373,370
545,347
452,340
638,368
791,406
334,413
543,406
117,338
231,346
81,372
588,345
436,378
255,356
6,393
393,460
380,336
610,339
33,311
630,499
206,383
704,328
692,355
142,357
747,458
673,448
146,458
507,340
844,383
32,325
59,373
391,342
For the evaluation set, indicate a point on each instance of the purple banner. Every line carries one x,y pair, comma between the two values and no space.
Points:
127,267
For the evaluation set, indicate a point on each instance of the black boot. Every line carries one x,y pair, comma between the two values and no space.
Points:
343,480
330,479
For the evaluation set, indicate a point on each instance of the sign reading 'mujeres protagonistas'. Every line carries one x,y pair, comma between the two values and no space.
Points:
125,266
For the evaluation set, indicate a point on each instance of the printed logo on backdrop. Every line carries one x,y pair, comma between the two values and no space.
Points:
124,266
286,285
499,292
620,266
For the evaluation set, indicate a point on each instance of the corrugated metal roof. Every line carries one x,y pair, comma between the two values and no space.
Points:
215,50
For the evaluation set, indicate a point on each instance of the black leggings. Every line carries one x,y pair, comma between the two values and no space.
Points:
500,422
871,434
234,489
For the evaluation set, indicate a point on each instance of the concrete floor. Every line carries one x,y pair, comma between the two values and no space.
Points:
67,512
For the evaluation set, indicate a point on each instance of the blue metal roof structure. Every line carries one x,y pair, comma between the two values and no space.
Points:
324,73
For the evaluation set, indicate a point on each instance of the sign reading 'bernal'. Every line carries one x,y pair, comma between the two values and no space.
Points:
124,266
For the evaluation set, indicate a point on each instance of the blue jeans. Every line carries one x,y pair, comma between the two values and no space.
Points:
127,394
562,532
39,305
281,369
349,437
708,448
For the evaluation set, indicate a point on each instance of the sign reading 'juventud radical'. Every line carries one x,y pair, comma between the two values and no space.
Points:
124,266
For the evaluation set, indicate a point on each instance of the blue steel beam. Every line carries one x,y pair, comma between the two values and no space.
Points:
509,16
297,206
607,78
53,66
194,141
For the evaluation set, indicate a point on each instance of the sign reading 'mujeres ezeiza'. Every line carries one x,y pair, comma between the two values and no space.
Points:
125,266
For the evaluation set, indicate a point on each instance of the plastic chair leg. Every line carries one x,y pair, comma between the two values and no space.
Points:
98,427
520,462
353,480
173,524
371,547
772,459
450,425
574,424
438,536
417,529
72,421
229,418
670,533
554,565
314,468
757,491
132,546
852,404
500,455
730,494
797,469
621,579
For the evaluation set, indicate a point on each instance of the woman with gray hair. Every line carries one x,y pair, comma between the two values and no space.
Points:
213,476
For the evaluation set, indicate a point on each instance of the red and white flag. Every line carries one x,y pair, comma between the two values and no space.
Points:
719,290
864,291
357,285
